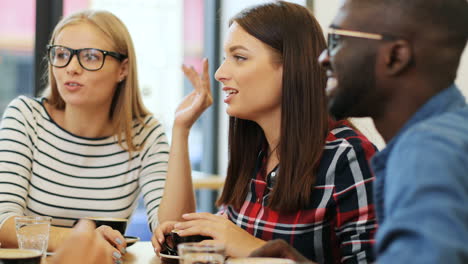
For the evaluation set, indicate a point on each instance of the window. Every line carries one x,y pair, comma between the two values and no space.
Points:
17,32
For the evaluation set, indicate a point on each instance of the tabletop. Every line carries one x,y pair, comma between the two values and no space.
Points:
140,253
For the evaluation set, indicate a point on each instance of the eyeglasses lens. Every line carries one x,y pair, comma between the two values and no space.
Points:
59,56
90,59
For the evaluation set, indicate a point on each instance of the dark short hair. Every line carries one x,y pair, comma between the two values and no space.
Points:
440,26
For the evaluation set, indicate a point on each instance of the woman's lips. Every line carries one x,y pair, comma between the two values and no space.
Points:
73,86
230,93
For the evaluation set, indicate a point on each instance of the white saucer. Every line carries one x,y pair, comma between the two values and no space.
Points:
162,255
131,240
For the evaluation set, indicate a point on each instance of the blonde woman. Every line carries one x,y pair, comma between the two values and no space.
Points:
89,146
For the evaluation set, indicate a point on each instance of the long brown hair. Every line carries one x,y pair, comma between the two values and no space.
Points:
293,32
127,104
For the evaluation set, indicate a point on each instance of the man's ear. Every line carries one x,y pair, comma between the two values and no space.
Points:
397,56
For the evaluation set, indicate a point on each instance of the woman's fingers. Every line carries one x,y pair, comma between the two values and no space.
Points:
156,243
158,236
197,227
113,237
201,83
207,216
205,76
193,77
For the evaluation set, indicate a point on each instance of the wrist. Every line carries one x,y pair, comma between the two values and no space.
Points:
180,131
256,244
57,237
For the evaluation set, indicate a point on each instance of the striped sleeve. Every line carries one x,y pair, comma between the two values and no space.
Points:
16,151
153,172
356,224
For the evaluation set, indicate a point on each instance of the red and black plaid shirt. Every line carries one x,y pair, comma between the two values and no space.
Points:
338,226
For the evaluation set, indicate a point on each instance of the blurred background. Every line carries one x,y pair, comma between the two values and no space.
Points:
166,33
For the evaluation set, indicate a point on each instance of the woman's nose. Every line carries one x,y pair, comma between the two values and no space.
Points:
221,74
73,66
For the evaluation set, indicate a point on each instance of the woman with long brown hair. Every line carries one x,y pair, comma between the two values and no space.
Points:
294,173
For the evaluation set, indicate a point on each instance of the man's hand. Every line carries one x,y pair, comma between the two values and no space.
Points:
278,248
84,245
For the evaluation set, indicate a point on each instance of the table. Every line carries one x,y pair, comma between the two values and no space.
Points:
141,252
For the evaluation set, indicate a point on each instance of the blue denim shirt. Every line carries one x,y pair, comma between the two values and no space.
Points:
421,187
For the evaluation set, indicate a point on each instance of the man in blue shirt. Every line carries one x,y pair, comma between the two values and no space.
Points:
396,61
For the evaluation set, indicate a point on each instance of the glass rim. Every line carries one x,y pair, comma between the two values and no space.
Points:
36,252
35,218
196,246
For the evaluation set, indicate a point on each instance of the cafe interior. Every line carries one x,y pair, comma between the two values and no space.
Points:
166,34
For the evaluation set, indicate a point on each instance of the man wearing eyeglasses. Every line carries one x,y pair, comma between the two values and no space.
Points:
396,61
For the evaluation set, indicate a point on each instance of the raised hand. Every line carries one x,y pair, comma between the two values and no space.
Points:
195,103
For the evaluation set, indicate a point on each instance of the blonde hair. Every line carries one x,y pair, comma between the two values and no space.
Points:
126,103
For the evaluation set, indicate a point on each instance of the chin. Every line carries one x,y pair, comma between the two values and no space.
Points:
237,114
232,112
339,109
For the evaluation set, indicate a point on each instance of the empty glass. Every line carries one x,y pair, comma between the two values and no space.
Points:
33,232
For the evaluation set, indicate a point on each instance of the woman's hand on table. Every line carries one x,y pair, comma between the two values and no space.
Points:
195,103
85,245
114,237
158,236
237,241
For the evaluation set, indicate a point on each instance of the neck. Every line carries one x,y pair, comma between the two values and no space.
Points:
405,102
271,127
85,122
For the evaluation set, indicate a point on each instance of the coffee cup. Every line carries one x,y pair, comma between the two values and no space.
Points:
119,224
20,256
173,239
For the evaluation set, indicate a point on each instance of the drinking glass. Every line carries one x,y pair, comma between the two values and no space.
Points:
33,232
196,253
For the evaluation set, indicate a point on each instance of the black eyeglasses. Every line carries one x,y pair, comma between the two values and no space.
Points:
334,36
90,59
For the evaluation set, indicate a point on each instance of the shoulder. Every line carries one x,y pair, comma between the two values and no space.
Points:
343,139
25,103
149,129
346,157
24,106
436,145
451,127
